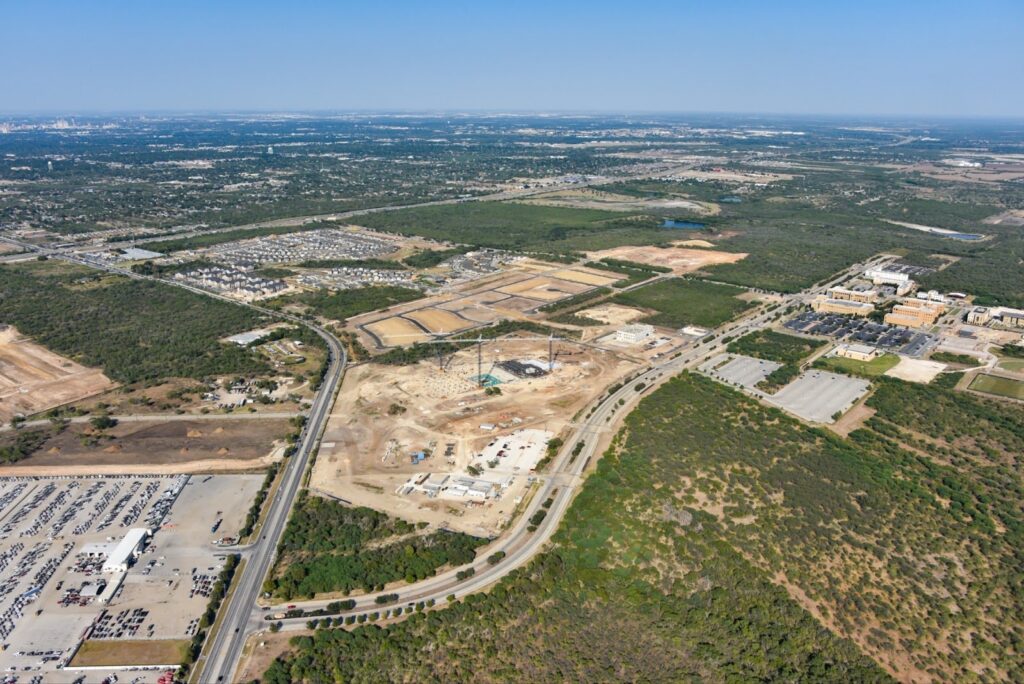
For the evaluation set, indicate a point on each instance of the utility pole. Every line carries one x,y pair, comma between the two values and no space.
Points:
480,362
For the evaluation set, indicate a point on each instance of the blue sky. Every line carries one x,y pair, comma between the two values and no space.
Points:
938,58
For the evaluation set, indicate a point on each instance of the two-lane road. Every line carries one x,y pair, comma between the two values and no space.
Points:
227,643
224,648
240,615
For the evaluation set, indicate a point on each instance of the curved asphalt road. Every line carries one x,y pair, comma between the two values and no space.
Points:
240,617
518,543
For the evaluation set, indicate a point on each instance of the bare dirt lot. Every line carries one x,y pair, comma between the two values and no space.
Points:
472,312
680,259
133,447
613,314
544,288
396,331
439,321
586,276
513,293
34,379
1011,217
261,650
385,414
916,370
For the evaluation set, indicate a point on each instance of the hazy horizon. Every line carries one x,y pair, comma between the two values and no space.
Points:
270,113
795,58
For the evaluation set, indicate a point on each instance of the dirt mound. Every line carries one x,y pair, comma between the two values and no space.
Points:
168,430
218,431
112,449
223,451
193,433
160,444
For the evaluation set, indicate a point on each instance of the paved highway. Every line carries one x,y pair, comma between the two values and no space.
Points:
240,615
223,652
297,221
226,648
519,544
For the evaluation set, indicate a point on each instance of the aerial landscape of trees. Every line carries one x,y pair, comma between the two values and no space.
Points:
341,305
681,301
134,330
512,225
717,538
724,509
327,548
22,443
775,346
627,550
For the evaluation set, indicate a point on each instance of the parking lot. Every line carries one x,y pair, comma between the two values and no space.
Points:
818,395
739,370
56,533
863,331
910,269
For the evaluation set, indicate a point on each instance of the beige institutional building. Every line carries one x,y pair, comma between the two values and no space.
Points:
823,304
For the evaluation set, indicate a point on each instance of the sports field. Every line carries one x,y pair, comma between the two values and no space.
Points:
1013,365
1001,387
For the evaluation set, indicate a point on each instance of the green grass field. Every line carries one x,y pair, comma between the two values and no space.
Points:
869,369
1001,387
682,302
508,225
1012,364
99,653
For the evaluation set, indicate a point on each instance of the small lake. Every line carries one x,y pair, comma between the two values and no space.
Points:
682,225
963,236
730,200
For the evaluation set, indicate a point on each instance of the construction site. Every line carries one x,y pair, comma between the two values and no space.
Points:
681,257
34,379
157,446
516,292
455,440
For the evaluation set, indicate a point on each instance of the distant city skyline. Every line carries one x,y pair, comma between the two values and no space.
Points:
794,57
